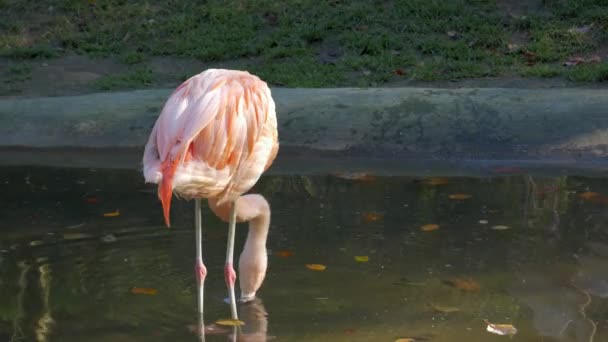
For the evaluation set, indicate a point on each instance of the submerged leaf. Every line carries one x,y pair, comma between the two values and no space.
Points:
285,253
92,200
112,214
372,216
501,329
436,181
500,227
460,196
316,267
463,284
429,227
587,195
361,258
229,322
144,291
445,309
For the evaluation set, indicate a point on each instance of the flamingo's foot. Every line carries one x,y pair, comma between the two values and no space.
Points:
201,271
229,275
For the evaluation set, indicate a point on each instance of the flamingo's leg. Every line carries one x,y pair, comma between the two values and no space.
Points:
200,269
229,273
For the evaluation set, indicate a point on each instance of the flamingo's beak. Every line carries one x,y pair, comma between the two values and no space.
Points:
165,188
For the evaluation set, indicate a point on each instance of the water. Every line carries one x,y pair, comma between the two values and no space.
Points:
67,271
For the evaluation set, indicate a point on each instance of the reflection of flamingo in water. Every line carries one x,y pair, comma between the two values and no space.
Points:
215,136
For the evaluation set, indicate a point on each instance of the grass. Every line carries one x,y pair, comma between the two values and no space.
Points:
310,43
138,77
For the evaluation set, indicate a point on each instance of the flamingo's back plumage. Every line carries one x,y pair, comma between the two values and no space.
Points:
215,136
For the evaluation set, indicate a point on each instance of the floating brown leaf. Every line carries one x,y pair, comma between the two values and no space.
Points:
112,214
429,227
144,291
372,216
399,72
436,181
285,253
229,322
588,195
316,267
92,200
361,258
463,284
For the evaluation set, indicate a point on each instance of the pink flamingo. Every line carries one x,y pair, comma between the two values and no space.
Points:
215,136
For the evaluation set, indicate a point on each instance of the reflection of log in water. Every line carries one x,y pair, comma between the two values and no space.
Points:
19,316
43,327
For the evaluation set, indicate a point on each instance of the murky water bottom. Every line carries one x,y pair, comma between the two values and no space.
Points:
513,249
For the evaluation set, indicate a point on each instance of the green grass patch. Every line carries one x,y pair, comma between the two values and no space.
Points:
589,73
137,78
289,41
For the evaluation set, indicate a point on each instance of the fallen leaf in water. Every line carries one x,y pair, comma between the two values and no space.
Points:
483,221
587,195
372,216
92,200
112,214
459,196
399,72
500,227
501,329
285,253
429,227
463,284
361,258
349,331
360,176
229,322
316,267
405,339
436,181
144,291
445,309
36,243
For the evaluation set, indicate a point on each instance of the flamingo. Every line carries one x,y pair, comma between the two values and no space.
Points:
215,136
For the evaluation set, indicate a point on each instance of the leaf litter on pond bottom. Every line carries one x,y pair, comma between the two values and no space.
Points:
500,329
429,227
229,322
316,267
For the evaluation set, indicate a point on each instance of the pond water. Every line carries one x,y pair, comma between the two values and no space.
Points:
510,248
